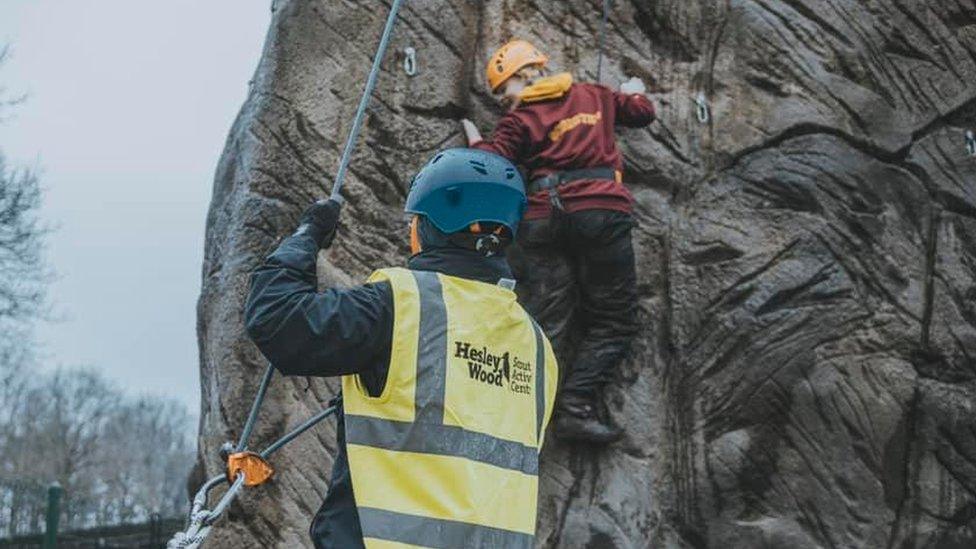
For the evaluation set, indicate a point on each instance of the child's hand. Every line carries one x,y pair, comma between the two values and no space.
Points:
632,86
471,132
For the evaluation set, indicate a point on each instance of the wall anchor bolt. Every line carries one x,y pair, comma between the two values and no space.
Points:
410,61
701,108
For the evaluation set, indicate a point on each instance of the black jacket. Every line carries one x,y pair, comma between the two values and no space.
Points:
338,332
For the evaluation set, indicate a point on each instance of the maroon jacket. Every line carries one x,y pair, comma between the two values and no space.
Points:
569,133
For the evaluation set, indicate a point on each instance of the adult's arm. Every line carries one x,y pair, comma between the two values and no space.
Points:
306,332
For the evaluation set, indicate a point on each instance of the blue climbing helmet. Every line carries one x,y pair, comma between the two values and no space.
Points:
460,187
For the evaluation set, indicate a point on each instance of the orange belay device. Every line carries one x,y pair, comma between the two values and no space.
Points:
256,470
244,468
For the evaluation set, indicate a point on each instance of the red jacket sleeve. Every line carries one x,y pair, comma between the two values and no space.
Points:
507,140
633,110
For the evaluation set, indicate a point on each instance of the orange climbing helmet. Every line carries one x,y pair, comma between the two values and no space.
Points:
511,58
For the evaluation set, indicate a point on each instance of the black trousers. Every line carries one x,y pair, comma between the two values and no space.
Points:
576,276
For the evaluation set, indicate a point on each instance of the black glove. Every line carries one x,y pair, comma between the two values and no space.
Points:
319,221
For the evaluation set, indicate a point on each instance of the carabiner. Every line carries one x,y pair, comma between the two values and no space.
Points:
701,108
410,61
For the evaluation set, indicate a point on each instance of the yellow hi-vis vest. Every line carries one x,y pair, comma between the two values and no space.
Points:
448,455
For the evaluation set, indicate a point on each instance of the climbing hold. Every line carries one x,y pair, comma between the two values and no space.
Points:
410,61
256,470
701,108
971,142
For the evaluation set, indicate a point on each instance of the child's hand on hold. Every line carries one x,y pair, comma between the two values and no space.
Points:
471,132
632,86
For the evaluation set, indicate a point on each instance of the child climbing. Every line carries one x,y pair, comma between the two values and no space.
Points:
575,261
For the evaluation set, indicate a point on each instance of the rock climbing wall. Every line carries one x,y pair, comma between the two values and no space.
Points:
806,372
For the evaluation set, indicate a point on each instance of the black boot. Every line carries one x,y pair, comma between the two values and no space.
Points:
577,421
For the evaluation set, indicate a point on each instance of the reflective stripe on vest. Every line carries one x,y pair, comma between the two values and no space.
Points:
447,456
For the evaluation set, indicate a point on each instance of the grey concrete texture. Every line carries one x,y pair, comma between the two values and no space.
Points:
806,372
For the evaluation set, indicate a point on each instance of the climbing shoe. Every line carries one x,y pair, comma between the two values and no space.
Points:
577,421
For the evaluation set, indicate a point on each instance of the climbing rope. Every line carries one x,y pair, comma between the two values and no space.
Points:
246,468
255,408
357,121
252,471
601,39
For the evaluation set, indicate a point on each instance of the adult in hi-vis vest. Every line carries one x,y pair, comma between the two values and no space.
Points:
447,383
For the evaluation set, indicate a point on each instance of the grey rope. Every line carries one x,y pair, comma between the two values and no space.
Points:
293,434
336,191
255,408
357,121
601,39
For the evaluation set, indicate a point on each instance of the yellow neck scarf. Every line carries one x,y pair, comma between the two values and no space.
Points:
550,87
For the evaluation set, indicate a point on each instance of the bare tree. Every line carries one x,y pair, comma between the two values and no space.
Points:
55,430
5,99
22,285
20,492
119,459
147,458
23,274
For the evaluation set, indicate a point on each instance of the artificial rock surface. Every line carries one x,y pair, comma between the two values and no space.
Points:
806,372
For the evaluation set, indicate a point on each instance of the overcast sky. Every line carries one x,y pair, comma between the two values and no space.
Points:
129,106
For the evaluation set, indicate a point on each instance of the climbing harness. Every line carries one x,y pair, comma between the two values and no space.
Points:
551,182
602,39
244,467
971,142
357,121
701,108
410,61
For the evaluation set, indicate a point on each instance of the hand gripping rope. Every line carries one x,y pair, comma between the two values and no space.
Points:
245,468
